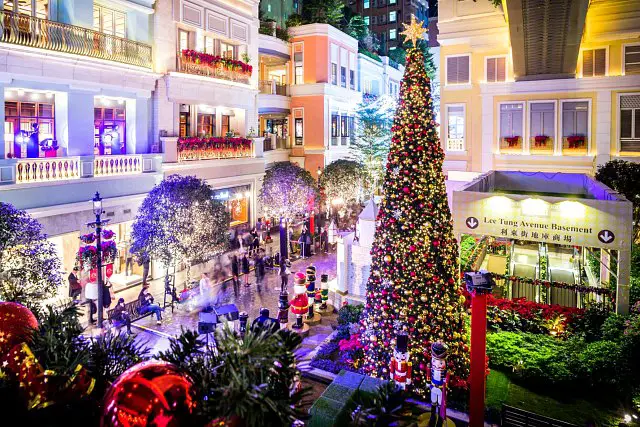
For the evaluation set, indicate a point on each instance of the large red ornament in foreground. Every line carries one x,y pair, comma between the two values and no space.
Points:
150,393
16,325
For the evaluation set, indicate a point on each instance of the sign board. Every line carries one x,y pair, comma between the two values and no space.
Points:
579,222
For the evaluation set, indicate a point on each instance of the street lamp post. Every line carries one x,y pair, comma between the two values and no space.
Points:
98,224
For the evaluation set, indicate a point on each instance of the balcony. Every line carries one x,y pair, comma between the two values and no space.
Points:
117,165
204,64
270,87
194,148
274,142
40,33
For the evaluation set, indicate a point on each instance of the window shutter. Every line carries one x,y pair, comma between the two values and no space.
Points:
452,70
501,72
600,62
463,69
626,121
491,69
632,60
587,63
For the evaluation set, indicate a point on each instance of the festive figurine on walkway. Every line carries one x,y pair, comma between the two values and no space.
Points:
300,302
400,367
324,290
283,309
311,288
438,376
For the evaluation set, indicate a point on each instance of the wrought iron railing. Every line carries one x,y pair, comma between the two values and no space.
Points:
41,33
117,165
47,169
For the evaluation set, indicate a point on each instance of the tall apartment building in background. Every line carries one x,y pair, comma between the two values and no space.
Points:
385,18
280,10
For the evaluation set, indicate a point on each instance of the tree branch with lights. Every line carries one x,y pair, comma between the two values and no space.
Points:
286,191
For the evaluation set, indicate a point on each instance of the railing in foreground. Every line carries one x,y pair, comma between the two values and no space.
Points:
41,33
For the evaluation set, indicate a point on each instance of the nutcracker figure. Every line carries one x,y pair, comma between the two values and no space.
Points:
438,376
311,288
300,302
283,309
400,367
324,290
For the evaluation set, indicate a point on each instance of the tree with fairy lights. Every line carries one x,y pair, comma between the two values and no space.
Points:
414,285
180,221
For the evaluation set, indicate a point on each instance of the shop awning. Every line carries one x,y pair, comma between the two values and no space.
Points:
271,52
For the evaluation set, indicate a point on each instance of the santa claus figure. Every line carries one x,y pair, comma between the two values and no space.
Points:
300,302
439,378
400,367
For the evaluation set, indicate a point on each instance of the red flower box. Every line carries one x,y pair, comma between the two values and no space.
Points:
217,61
540,140
512,141
194,148
576,141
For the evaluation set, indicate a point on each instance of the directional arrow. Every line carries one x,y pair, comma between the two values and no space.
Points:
472,222
606,236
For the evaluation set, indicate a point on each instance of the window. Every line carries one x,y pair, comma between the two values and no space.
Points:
39,8
29,126
542,127
392,34
393,16
392,1
630,123
458,68
269,8
109,21
594,62
352,128
575,127
183,40
334,129
344,127
343,76
455,127
109,128
185,121
298,131
511,130
366,4
352,79
632,59
367,20
225,125
227,50
297,60
206,125
496,69
334,73
209,45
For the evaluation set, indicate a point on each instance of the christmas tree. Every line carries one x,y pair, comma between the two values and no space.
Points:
414,284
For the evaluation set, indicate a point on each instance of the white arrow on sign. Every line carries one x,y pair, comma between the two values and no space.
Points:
606,236
472,222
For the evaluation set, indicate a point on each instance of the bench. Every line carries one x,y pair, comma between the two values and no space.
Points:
131,308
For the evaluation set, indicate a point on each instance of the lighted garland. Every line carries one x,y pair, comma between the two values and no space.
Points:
414,284
557,285
475,255
286,191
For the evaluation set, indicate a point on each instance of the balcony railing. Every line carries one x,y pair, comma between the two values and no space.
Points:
191,65
117,165
40,33
47,169
270,87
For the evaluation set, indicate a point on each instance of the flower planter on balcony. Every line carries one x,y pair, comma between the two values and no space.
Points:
511,144
541,144
213,148
575,145
204,64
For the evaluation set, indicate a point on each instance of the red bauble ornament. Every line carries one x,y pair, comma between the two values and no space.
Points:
150,393
405,189
16,324
412,248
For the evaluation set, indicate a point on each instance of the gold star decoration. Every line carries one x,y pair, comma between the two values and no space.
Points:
414,31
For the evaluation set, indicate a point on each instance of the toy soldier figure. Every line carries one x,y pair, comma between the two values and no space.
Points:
311,289
324,290
400,367
439,378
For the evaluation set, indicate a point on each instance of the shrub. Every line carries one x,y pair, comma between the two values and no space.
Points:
590,324
613,327
343,333
327,351
599,364
350,314
328,365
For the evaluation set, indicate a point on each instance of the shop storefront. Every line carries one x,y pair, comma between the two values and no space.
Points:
535,232
29,124
237,200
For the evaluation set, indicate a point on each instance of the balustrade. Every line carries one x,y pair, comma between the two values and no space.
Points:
47,169
117,165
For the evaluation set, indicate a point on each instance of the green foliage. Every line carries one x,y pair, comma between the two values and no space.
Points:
496,3
29,264
370,54
294,20
57,343
590,324
323,12
179,220
398,55
282,34
623,176
356,27
350,313
613,327
342,179
250,378
467,245
112,353
386,406
598,364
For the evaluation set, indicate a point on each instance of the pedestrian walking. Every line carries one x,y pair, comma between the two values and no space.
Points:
259,229
245,269
75,288
285,271
259,270
235,272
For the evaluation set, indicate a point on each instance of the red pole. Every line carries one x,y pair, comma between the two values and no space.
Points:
478,356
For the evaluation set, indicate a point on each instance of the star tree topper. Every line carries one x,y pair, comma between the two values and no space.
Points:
414,31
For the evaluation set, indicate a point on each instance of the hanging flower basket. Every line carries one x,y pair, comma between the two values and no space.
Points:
87,256
107,234
87,239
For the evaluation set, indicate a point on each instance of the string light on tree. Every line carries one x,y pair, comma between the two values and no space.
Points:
414,285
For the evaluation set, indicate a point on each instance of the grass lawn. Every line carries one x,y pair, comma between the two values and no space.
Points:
501,390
